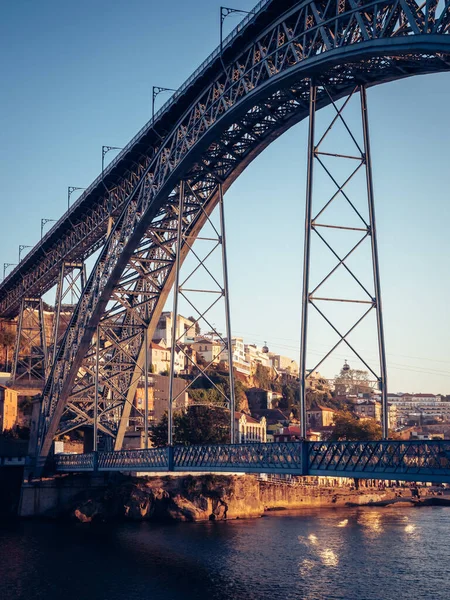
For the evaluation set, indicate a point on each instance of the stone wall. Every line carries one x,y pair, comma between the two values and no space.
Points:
178,498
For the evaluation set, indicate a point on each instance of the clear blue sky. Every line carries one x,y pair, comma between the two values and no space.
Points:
78,75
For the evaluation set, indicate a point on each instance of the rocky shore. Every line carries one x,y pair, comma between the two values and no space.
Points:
215,497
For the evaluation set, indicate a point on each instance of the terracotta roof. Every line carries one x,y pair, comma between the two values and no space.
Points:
154,346
238,415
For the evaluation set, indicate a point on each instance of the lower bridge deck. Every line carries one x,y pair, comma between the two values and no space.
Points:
426,461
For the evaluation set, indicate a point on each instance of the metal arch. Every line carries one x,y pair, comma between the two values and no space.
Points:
310,32
258,97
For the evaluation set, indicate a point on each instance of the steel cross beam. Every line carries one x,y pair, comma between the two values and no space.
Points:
260,93
30,351
365,229
216,286
370,42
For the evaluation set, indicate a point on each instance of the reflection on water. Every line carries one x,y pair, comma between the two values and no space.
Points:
345,554
372,520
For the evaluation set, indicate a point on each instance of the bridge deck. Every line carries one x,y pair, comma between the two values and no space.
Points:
407,461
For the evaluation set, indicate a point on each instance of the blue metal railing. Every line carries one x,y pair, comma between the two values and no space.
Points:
405,460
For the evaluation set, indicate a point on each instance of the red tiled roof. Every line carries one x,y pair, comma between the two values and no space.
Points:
154,346
238,415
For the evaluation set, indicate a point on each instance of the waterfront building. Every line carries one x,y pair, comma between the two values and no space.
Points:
8,408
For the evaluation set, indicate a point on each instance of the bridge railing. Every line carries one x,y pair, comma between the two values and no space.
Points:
398,459
248,458
405,460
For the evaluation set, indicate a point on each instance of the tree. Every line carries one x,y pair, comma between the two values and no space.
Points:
195,425
352,381
348,427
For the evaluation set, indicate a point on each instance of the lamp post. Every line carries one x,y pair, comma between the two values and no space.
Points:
44,222
105,150
156,90
225,12
21,248
5,266
70,191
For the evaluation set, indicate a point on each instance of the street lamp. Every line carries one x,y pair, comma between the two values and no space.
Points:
5,266
70,191
225,12
44,222
156,90
105,150
22,247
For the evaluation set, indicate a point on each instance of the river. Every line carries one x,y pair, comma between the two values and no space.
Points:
323,554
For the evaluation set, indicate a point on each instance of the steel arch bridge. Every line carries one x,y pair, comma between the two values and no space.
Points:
246,94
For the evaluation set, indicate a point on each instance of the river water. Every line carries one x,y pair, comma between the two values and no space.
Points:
346,554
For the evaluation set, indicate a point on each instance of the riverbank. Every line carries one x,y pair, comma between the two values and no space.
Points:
196,498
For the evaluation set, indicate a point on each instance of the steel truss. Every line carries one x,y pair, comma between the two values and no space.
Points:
30,352
294,38
318,222
71,282
216,290
261,92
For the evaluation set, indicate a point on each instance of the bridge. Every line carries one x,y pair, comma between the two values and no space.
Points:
283,63
387,460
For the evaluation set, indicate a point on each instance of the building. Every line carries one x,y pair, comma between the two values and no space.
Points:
8,408
288,434
316,382
255,356
368,410
283,364
159,356
248,429
186,329
321,416
240,364
419,407
210,350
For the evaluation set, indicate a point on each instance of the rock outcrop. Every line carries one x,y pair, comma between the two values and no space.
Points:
189,498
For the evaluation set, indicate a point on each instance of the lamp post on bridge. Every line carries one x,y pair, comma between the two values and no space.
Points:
156,90
21,248
5,266
70,190
225,12
43,223
105,150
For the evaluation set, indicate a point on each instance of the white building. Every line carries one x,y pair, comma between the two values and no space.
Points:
255,355
249,429
185,329
411,406
284,364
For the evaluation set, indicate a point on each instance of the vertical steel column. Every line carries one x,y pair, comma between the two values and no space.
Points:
97,364
58,302
306,258
17,343
146,388
175,313
43,337
227,315
375,264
